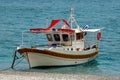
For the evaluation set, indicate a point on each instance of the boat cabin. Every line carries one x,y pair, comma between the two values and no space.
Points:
65,38
59,39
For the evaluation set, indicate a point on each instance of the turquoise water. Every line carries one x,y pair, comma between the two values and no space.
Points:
18,15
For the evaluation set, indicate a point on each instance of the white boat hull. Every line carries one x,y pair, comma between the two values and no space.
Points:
37,60
45,60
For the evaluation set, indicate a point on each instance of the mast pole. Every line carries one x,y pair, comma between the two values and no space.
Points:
71,16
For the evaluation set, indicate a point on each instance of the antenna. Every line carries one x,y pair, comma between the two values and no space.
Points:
47,21
72,12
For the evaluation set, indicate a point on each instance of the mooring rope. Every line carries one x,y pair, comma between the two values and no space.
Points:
13,63
12,67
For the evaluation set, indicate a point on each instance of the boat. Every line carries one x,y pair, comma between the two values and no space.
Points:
66,45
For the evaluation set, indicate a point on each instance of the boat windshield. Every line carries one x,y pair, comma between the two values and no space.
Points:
57,37
65,37
49,37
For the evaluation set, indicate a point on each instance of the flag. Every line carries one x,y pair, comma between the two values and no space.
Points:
85,27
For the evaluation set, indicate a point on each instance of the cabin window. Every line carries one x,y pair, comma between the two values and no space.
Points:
65,37
49,37
79,36
57,37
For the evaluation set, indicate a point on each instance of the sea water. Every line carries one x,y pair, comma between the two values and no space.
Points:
19,15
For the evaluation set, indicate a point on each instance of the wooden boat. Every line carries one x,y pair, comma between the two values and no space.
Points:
67,45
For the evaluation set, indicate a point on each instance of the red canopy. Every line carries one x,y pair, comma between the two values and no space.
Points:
53,23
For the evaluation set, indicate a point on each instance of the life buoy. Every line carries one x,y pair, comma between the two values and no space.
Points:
98,35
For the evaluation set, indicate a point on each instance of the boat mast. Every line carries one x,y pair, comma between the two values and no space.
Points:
72,19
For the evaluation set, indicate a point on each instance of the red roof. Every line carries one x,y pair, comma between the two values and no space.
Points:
53,23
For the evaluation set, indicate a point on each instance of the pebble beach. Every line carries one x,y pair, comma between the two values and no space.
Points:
15,75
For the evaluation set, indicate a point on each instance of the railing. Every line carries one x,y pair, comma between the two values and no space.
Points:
33,39
90,40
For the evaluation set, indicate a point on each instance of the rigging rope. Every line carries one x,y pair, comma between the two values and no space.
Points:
13,64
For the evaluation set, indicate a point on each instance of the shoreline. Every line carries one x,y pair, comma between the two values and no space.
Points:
17,75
